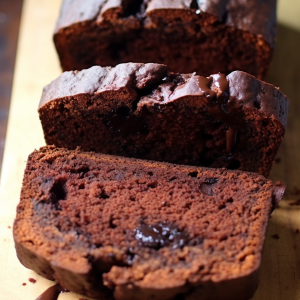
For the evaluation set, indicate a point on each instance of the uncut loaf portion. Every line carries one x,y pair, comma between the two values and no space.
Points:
187,35
144,111
107,226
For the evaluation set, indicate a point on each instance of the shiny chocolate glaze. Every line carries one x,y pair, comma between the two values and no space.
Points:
227,109
222,106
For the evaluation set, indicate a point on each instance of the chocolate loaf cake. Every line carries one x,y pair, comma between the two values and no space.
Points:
187,35
104,225
143,111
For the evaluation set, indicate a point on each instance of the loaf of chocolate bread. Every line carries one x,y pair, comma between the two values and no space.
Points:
143,111
187,35
102,225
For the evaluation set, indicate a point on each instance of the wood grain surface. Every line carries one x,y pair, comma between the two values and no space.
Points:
37,65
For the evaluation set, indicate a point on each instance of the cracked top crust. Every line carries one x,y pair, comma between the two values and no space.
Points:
255,16
130,78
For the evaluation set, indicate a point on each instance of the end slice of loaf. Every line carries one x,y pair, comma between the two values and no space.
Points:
108,226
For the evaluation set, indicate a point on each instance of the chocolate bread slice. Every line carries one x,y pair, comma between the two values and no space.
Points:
103,225
144,111
187,35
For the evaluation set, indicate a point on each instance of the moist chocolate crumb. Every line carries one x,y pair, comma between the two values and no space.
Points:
8,227
91,202
32,280
198,121
24,283
278,160
275,236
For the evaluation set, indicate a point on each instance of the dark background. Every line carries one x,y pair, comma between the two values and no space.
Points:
10,13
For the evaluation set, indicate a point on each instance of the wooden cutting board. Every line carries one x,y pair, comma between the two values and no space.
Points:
37,65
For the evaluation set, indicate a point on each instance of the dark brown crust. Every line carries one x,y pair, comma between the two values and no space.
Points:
97,80
57,255
78,11
239,14
252,92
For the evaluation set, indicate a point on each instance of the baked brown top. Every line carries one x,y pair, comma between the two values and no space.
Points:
135,77
255,16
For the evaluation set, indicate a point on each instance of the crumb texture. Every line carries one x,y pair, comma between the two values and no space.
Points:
144,111
107,226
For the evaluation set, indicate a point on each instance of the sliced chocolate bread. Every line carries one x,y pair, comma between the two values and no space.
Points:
143,111
187,35
105,225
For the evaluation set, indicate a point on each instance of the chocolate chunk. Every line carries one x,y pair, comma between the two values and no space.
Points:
160,235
